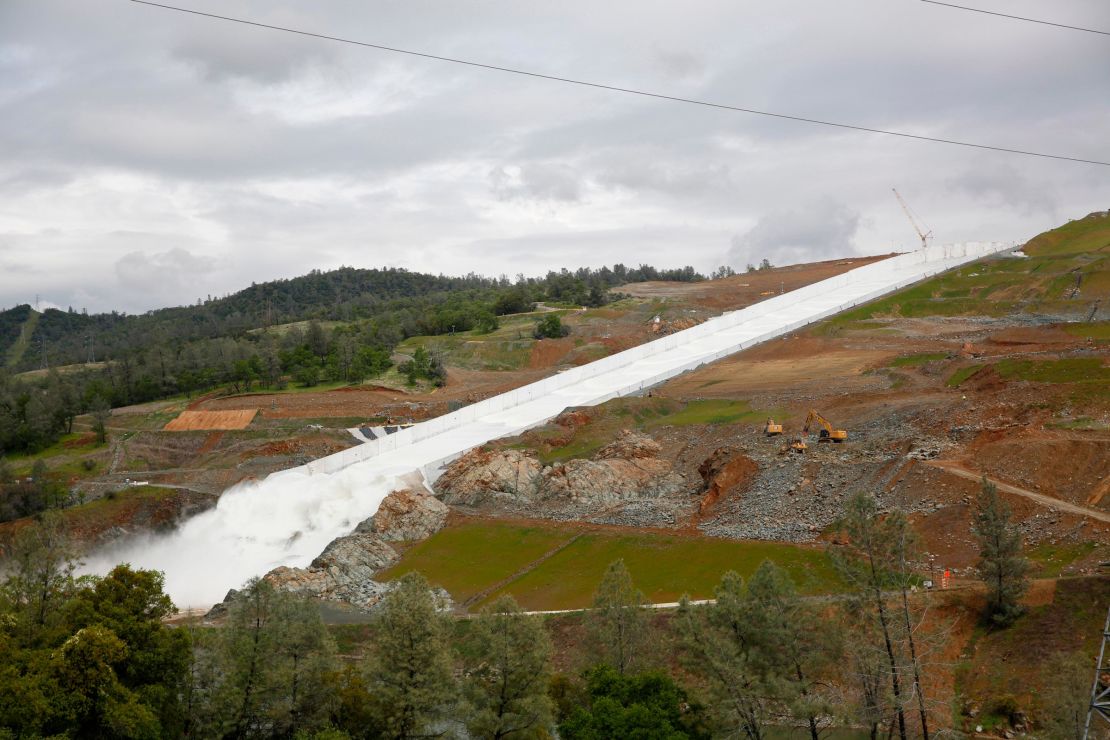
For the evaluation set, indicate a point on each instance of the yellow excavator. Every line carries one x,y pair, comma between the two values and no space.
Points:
772,429
826,433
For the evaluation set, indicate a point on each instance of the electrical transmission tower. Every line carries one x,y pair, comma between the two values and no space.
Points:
1100,689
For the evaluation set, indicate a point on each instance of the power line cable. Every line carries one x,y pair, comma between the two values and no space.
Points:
1017,17
615,88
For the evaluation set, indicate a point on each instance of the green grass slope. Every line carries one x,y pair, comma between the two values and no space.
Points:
552,566
1075,255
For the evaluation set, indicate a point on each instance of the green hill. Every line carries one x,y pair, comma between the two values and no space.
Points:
17,326
1065,272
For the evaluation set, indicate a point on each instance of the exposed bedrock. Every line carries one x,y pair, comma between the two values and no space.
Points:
627,469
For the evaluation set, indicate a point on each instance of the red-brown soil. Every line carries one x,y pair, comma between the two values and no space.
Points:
731,293
190,420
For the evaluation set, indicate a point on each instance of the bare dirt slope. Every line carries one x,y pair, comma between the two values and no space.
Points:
743,290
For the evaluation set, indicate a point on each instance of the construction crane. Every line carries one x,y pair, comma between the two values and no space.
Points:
771,429
827,433
924,235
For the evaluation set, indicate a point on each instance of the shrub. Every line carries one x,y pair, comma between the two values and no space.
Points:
550,327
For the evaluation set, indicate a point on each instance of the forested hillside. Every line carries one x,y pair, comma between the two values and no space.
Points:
340,326
417,303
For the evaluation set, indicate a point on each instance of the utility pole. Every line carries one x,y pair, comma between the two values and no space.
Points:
45,366
1100,690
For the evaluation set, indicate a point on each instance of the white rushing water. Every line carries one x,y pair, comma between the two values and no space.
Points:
288,518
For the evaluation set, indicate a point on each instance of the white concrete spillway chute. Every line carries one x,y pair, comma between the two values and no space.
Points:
288,518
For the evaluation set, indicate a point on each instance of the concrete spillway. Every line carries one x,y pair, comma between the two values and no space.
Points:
289,517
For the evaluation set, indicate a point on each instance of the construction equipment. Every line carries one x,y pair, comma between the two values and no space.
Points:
923,235
771,429
798,445
826,433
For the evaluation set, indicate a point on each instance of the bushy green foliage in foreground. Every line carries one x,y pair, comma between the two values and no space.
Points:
92,657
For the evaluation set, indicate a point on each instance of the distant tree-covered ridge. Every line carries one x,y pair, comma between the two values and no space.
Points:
416,303
216,343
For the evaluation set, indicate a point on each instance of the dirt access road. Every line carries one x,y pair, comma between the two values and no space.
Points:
959,470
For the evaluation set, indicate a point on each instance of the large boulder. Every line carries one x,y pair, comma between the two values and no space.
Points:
482,477
406,515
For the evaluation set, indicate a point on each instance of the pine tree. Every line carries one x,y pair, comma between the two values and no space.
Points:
870,567
716,644
305,665
788,645
245,656
1001,565
507,680
410,672
618,623
275,659
40,579
101,411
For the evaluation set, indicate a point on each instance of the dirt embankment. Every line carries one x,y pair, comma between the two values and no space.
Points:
743,290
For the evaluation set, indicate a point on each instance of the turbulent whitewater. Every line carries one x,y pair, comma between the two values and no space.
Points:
288,518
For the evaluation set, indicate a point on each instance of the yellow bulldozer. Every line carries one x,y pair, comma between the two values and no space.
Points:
772,429
826,433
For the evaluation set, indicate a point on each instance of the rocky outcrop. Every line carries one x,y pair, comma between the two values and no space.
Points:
630,446
627,469
725,469
482,477
623,470
344,571
407,515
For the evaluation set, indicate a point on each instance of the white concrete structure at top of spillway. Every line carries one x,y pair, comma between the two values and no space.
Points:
290,517
430,443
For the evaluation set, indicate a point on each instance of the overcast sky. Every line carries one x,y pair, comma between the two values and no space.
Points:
149,158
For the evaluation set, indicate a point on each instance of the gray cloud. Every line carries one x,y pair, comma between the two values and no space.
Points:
814,232
536,181
1005,186
174,273
682,65
281,154
223,51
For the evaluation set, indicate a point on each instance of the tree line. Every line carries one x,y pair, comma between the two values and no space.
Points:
222,343
417,303
92,656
